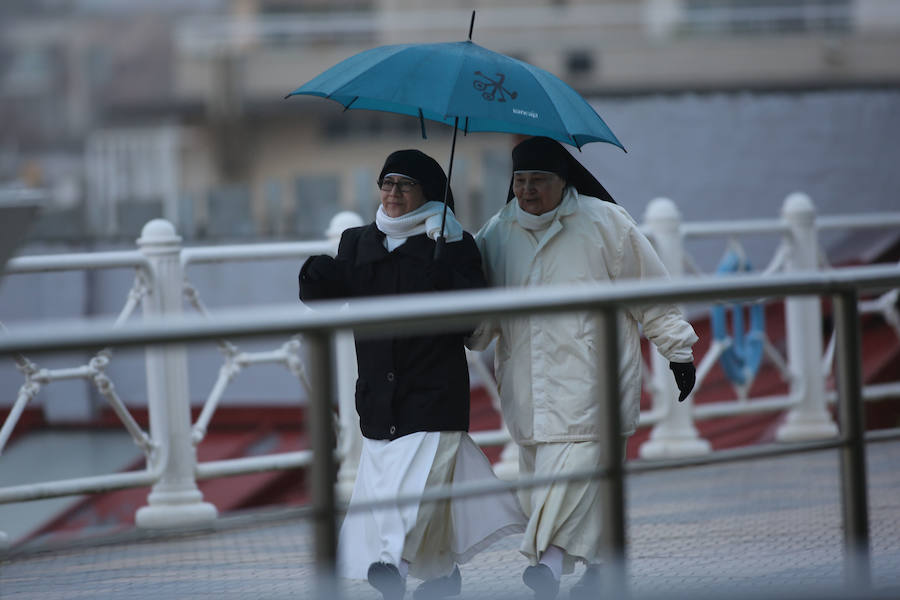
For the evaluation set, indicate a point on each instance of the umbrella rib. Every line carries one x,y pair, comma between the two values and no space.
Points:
422,124
349,104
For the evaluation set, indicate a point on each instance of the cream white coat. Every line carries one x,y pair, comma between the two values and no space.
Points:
545,365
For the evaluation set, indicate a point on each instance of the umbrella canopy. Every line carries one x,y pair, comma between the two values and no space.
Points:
463,85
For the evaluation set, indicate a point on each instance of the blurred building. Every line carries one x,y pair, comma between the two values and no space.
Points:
123,111
114,112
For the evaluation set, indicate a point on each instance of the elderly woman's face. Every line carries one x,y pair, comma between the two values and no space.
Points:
538,192
400,195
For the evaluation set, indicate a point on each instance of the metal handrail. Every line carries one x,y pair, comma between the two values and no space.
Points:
426,313
247,252
432,312
76,260
156,462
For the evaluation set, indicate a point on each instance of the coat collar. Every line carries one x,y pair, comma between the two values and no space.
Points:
371,246
568,206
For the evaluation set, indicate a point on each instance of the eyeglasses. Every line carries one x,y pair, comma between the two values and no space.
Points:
403,185
537,180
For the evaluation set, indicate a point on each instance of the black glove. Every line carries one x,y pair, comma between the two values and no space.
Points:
685,377
317,268
317,278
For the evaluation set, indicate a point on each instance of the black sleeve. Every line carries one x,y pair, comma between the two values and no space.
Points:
459,266
321,278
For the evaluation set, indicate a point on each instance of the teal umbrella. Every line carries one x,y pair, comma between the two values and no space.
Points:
465,86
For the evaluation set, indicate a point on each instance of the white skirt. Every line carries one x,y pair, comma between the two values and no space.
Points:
431,537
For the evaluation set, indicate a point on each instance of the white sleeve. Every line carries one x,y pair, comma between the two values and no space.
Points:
663,324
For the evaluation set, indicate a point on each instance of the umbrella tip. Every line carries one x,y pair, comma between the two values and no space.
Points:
471,25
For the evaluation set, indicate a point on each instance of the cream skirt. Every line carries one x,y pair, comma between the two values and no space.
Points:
567,513
432,536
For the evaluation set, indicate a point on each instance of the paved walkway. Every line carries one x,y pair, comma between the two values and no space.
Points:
763,529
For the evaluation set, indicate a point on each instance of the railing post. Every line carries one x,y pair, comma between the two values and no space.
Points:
810,419
507,467
349,436
853,454
322,384
612,485
175,499
675,435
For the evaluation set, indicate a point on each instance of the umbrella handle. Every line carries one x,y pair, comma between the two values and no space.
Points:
439,249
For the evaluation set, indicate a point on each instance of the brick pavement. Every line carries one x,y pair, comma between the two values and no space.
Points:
762,529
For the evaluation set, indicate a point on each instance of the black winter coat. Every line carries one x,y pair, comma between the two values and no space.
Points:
406,384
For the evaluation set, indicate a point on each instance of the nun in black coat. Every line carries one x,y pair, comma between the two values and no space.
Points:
412,394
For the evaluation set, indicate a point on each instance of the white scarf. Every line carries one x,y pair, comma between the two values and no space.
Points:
425,219
535,222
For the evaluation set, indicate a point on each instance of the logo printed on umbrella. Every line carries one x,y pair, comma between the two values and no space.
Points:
525,113
489,88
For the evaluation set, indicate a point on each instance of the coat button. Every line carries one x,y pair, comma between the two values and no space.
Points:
393,430
390,376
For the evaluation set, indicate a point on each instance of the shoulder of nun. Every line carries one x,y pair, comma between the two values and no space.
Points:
485,231
467,237
350,239
465,246
505,215
603,212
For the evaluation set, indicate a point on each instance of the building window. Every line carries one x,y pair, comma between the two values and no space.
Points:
315,202
766,16
579,62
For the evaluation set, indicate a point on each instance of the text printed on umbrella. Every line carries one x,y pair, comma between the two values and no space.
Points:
492,89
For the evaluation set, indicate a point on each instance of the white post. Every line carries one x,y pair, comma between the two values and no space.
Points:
349,436
809,420
507,467
675,435
175,499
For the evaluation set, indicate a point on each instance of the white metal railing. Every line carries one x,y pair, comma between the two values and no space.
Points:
806,365
162,287
95,370
449,310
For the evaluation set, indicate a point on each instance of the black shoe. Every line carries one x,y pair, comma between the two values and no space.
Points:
540,579
385,578
440,587
588,586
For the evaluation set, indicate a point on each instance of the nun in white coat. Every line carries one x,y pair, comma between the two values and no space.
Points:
562,227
